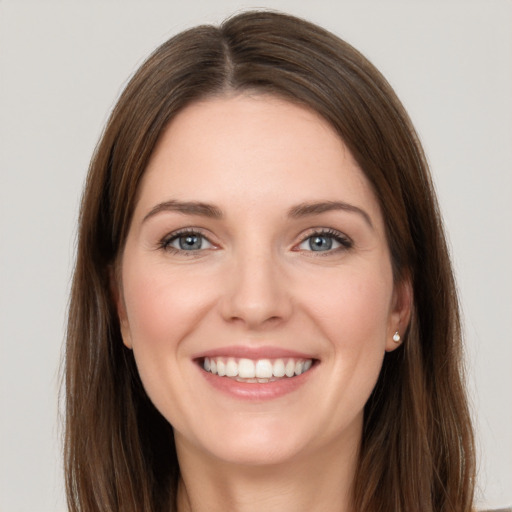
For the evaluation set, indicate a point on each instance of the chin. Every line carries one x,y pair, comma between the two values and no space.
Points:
252,443
257,453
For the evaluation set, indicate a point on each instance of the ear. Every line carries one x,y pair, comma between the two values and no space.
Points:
400,315
116,291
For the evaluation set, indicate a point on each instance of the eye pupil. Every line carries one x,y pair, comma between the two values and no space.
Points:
320,243
190,242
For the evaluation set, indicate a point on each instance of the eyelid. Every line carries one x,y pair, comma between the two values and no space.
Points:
165,242
343,240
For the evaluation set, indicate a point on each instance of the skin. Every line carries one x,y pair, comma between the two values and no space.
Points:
256,282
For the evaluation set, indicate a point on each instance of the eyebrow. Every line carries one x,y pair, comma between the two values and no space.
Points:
212,211
187,208
305,209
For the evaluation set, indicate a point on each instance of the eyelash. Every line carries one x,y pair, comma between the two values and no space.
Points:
165,243
343,240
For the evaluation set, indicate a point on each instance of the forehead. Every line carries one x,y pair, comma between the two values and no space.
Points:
254,150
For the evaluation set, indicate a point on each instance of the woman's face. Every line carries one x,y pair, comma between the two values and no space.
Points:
257,250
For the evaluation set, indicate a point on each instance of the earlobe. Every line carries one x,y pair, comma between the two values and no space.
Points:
400,314
116,291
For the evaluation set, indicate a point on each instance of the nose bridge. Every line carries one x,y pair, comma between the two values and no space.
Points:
256,293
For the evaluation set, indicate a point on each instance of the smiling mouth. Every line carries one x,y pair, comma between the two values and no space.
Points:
256,371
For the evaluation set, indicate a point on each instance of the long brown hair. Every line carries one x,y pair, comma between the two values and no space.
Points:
417,448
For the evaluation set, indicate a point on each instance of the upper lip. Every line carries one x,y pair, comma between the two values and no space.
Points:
262,352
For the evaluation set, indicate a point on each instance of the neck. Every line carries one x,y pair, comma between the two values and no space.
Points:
311,483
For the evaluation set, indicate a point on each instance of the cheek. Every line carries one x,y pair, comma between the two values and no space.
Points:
359,335
163,306
354,318
354,307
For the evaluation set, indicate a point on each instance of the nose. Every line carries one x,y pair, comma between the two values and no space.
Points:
256,294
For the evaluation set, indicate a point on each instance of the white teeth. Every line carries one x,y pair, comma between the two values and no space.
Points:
289,369
221,368
246,369
261,370
278,368
231,368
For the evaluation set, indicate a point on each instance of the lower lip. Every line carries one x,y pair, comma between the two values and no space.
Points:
256,391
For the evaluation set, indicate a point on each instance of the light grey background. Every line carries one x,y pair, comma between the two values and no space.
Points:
62,66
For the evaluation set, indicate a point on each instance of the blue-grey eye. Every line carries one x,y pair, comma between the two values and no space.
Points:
189,242
322,242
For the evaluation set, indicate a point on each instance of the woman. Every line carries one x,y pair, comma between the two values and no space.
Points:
263,313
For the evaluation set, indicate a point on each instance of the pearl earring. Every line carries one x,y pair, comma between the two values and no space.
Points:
396,337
